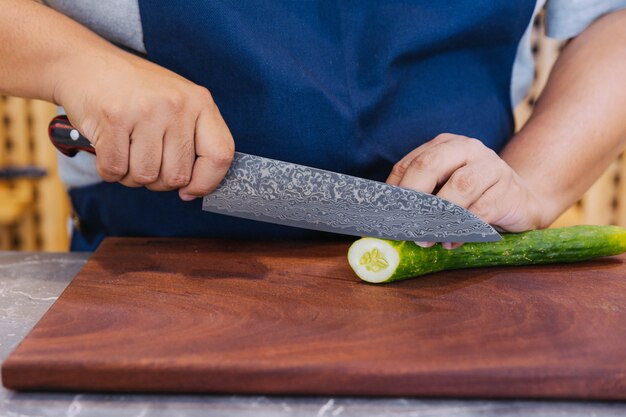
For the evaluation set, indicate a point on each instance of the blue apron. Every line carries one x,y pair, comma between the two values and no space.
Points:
349,86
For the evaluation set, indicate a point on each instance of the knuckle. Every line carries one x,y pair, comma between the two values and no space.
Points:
464,181
201,190
175,101
114,114
423,163
206,98
128,182
204,93
145,170
144,108
112,165
177,181
222,156
112,172
145,178
475,144
399,169
443,137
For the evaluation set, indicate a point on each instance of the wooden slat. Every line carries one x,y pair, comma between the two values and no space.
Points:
21,155
4,189
598,200
574,215
620,216
52,206
17,111
546,52
3,135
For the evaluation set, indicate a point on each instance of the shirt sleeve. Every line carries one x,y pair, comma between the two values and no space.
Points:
568,18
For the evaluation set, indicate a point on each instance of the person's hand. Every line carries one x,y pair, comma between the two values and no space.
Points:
464,171
150,127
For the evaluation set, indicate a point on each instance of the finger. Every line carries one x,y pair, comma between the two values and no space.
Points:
469,182
214,148
145,154
489,207
451,245
425,244
112,150
498,207
400,168
433,167
178,156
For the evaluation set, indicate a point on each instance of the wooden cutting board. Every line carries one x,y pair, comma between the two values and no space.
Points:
166,315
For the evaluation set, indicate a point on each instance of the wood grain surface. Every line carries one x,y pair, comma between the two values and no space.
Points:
174,315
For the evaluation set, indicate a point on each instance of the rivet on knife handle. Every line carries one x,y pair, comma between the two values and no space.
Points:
66,138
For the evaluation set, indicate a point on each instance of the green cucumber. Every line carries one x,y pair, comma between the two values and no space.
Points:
379,260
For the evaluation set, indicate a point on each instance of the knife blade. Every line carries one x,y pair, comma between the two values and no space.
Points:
285,193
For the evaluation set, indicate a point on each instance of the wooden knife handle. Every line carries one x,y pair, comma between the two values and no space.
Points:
66,138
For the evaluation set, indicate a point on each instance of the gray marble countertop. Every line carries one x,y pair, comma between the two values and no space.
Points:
31,282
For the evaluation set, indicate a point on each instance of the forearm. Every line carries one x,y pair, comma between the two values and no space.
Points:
39,45
579,124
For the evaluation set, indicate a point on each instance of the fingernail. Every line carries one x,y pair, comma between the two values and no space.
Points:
446,245
187,197
425,244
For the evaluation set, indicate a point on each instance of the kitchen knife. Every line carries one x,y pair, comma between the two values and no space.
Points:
295,195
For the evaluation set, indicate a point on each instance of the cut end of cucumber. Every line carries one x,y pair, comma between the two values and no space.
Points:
373,260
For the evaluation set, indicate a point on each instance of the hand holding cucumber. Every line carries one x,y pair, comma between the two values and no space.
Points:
464,171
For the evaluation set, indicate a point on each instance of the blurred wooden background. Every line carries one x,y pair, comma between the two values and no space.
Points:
34,213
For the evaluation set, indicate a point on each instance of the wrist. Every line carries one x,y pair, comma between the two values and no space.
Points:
78,72
543,206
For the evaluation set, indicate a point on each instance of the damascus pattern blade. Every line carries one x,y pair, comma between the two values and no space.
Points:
279,192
